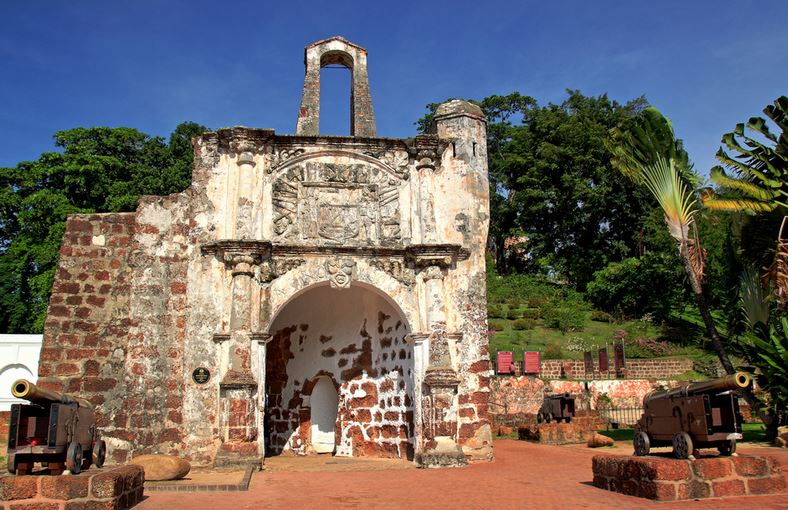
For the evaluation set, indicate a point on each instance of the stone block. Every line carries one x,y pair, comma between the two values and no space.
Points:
108,484
751,466
769,485
34,505
665,479
721,489
710,469
65,487
18,487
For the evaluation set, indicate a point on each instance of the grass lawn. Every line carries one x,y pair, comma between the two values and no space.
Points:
753,433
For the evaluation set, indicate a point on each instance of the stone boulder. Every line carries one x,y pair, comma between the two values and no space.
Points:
503,430
782,437
162,467
597,440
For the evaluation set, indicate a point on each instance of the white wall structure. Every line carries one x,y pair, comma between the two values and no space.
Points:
18,360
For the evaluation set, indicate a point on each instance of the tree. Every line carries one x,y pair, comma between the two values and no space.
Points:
552,185
646,150
97,170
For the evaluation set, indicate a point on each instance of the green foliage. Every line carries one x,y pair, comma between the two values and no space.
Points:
97,170
522,324
496,326
494,311
553,351
512,314
627,288
599,315
531,313
565,319
767,350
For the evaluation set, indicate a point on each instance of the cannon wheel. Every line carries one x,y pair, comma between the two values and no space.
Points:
568,419
548,417
99,453
539,417
642,443
74,457
682,445
727,448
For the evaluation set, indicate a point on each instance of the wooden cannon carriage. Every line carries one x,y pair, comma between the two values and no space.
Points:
56,429
696,415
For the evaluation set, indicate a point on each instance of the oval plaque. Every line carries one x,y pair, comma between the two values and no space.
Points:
201,375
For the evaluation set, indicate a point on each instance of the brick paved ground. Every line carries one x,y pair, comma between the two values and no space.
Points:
524,475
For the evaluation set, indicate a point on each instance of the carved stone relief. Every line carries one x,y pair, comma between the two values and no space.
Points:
340,272
273,269
280,155
397,269
336,204
398,161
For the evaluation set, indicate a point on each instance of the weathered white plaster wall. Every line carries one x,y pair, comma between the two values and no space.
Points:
18,360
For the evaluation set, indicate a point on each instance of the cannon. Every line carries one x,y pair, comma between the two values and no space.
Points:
694,415
56,429
556,407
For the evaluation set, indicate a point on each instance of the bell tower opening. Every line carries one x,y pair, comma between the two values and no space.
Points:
336,105
336,51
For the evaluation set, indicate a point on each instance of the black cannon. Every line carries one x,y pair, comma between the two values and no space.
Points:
694,415
56,429
556,407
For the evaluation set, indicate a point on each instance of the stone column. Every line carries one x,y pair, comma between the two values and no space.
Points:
238,388
245,151
440,406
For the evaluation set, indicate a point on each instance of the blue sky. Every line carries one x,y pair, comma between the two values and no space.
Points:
153,64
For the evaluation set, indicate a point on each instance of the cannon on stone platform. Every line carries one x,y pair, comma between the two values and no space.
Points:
694,415
56,429
556,407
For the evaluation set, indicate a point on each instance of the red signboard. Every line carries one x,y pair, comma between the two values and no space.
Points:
531,362
604,366
505,362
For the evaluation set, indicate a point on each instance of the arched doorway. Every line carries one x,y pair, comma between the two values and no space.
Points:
351,342
324,403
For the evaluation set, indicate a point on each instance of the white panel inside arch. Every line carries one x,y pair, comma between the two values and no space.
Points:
324,402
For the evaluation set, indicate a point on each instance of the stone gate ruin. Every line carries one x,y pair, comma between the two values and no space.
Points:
306,293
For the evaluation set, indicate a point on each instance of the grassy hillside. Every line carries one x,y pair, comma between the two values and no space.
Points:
526,314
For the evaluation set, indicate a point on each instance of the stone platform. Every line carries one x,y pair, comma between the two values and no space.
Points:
116,488
668,479
576,431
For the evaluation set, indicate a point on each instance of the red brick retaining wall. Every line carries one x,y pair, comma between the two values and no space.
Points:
667,479
107,489
653,368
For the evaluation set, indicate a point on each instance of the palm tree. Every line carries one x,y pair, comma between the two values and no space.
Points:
758,181
646,150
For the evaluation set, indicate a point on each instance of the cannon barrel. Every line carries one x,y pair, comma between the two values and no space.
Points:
23,388
736,381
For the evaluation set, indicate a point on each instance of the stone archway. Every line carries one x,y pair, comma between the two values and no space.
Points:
355,337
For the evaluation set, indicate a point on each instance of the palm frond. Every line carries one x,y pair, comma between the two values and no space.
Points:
664,182
753,298
744,184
